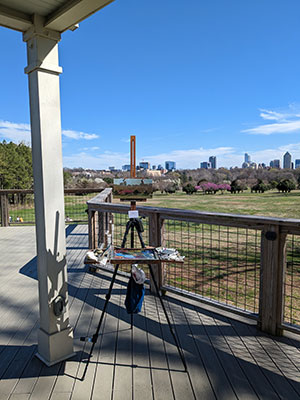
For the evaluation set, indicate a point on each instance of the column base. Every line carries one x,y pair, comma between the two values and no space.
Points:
56,347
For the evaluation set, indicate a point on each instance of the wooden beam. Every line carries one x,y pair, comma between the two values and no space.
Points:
73,12
14,19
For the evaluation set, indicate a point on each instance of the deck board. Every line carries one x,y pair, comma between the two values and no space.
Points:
226,359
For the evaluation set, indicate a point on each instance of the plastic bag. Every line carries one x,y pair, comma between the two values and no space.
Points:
135,291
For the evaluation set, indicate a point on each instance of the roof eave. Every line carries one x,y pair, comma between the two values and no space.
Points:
73,12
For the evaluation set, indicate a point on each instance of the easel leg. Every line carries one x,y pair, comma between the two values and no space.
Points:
167,317
96,334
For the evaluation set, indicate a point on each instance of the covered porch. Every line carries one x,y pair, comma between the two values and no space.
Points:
227,356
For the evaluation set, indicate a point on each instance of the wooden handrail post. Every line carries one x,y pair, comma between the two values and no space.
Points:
92,229
101,228
156,226
4,210
272,274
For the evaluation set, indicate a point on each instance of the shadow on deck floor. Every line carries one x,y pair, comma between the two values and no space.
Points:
226,358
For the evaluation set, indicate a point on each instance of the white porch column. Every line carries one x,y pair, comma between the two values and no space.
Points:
55,338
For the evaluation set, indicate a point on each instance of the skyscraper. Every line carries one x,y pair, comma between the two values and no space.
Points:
297,163
205,165
170,165
213,162
275,164
287,160
247,158
145,165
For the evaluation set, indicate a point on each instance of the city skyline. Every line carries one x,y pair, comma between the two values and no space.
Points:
286,163
212,164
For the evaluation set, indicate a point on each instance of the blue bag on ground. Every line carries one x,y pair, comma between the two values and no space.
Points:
134,297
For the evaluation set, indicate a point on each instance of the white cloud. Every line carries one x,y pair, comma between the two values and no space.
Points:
100,161
286,122
94,148
14,132
18,132
79,135
269,129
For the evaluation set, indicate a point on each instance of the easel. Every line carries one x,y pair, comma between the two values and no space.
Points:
131,225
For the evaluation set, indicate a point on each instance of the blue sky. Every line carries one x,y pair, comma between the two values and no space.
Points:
189,79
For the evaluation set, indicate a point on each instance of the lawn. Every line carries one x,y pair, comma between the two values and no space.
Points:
271,203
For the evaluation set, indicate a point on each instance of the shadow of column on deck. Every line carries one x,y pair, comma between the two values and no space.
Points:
198,341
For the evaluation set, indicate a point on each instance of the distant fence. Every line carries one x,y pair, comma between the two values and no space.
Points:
17,206
245,264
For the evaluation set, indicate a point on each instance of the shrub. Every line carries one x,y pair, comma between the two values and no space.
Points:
189,189
286,185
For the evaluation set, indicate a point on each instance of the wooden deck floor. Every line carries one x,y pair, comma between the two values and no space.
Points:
227,358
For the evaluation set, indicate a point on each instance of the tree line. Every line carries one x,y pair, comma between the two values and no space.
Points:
15,166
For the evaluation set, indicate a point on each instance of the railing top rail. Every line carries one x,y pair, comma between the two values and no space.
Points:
101,197
288,225
31,191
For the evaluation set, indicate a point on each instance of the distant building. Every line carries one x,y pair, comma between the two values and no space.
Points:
170,165
112,168
275,164
205,165
252,165
287,161
297,163
262,166
213,162
153,173
126,167
153,167
144,165
247,158
160,167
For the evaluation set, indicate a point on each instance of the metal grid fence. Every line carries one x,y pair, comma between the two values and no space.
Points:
292,281
21,207
221,263
241,263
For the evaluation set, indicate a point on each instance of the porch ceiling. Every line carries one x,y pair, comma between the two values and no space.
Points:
59,15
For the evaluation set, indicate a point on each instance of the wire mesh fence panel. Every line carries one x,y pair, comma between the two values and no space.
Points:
76,207
21,209
292,281
120,221
221,263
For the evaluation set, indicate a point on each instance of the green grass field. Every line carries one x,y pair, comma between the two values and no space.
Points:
271,203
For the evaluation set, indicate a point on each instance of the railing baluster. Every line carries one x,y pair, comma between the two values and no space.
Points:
4,210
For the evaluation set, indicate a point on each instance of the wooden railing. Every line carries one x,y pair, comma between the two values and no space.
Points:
257,257
23,204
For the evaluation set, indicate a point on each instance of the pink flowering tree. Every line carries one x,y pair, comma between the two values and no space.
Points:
224,187
212,188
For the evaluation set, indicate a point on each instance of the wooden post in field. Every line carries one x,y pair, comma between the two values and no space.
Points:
273,264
